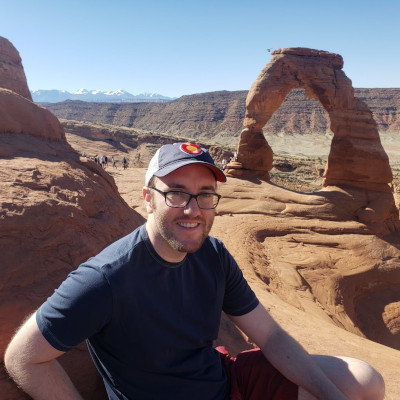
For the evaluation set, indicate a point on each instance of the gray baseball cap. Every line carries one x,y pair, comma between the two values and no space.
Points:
170,157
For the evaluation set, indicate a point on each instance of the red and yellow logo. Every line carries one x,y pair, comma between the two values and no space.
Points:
191,148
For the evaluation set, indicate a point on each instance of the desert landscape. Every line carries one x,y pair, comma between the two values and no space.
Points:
312,218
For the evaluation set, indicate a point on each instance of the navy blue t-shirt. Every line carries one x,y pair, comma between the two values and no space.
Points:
150,324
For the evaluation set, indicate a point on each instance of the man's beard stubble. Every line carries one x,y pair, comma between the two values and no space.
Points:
162,225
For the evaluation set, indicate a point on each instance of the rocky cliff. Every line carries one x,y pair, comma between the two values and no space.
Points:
219,115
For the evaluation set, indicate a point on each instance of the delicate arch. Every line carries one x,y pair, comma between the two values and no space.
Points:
356,157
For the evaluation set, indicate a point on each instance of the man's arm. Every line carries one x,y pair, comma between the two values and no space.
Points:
286,354
31,362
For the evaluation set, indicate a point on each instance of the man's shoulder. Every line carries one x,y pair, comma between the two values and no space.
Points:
122,248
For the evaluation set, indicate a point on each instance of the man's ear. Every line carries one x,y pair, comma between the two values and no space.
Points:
147,200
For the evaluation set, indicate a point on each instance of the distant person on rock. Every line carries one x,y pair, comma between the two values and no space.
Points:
149,307
104,161
223,164
124,163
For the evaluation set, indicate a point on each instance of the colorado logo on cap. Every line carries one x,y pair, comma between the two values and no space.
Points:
191,148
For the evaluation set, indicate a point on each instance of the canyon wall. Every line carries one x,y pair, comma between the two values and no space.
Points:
219,115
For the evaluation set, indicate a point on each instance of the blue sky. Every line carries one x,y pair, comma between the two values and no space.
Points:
178,47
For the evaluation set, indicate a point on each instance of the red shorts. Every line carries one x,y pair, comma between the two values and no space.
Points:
252,377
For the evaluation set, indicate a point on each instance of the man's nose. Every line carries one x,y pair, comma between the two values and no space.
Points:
192,207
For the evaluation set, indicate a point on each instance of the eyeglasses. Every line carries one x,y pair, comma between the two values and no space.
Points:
178,199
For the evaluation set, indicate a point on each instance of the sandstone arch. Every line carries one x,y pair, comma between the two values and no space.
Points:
356,158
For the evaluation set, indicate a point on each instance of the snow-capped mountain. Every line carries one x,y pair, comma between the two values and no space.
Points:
119,95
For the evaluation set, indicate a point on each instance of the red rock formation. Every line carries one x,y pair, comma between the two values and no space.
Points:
356,152
12,75
356,159
19,115
56,210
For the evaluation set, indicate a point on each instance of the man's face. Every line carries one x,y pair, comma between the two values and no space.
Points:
177,231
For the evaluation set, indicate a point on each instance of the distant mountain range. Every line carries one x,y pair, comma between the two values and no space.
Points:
119,95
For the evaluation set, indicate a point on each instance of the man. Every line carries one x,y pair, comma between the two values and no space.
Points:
149,307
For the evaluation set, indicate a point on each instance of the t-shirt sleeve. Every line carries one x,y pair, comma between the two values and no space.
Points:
79,308
239,298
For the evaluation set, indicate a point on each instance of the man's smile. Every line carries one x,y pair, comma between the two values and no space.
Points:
188,224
